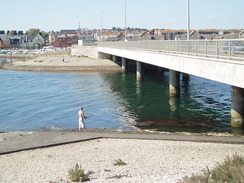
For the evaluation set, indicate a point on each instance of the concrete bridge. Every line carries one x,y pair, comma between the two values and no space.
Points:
218,60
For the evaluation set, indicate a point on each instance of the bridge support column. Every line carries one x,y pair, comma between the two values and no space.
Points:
174,83
114,58
186,77
139,70
161,70
124,65
237,107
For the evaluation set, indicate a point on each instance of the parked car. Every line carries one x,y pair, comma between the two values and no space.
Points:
4,52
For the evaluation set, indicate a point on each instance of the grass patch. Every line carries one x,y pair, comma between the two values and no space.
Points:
82,56
107,170
77,174
119,162
229,171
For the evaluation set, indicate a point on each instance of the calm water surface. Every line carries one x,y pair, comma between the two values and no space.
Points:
43,100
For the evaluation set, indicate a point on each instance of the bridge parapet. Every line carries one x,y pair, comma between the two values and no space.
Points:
223,49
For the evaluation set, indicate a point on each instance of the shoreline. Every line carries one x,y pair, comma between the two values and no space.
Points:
148,158
133,130
54,62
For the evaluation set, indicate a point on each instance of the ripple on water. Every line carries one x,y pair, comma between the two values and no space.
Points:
33,100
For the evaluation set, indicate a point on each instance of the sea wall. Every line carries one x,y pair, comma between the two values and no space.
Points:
89,51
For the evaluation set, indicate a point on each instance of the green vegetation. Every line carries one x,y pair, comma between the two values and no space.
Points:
230,171
82,56
77,174
33,32
119,162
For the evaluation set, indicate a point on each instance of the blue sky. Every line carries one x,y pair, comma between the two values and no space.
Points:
168,14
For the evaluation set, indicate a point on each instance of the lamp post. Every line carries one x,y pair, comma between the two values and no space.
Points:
188,21
101,24
125,21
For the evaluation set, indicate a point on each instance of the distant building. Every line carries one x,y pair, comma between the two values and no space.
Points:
68,31
38,41
52,37
241,35
30,42
65,40
4,41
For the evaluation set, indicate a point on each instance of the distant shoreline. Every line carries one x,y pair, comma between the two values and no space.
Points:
15,56
53,62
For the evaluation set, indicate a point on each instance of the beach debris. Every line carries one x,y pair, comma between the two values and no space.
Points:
3,139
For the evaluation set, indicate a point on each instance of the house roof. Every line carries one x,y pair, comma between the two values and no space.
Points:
52,33
68,31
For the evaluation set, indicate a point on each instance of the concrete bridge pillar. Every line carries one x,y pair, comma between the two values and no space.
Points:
237,107
174,83
186,77
124,65
114,58
139,70
161,70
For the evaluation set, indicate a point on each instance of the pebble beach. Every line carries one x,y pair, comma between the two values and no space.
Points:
147,161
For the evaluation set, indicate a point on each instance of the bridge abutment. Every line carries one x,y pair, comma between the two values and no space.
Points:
237,107
174,83
139,70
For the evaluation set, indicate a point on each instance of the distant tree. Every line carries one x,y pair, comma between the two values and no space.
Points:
32,32
20,33
2,32
119,29
8,32
12,32
44,34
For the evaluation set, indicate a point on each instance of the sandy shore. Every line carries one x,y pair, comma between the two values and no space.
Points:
53,62
148,161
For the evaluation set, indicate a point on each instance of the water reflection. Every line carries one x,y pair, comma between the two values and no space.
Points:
199,109
112,100
172,104
138,88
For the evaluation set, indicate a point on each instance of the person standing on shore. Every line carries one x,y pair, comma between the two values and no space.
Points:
82,118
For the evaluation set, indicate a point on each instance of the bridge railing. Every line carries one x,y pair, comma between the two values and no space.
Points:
226,49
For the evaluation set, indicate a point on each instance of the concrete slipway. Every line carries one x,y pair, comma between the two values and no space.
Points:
11,142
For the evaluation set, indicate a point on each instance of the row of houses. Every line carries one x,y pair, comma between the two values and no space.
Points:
171,35
67,38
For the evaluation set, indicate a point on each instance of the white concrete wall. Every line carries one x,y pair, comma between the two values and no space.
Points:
225,71
89,51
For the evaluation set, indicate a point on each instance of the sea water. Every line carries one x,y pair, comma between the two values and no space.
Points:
51,100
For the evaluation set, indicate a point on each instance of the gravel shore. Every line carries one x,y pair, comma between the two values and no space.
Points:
54,62
148,161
